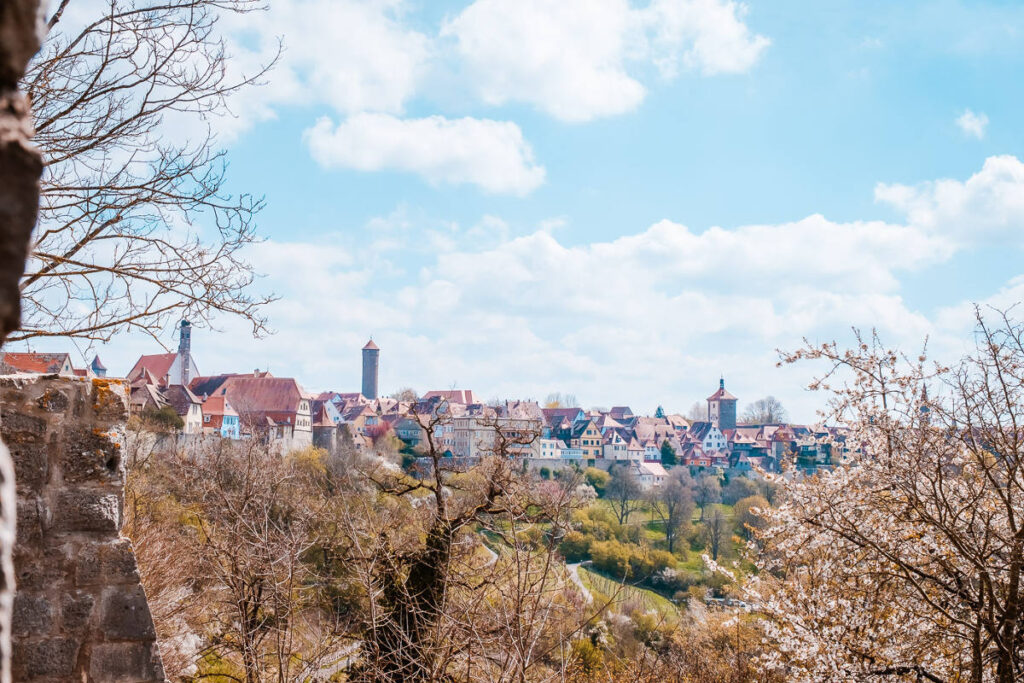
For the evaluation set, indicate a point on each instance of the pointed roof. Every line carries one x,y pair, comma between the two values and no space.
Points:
722,394
97,364
157,364
370,346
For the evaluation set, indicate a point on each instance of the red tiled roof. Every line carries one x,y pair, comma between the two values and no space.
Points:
464,396
218,405
721,394
157,365
35,362
264,394
371,346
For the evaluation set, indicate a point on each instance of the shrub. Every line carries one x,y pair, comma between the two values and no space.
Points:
165,419
589,656
408,461
545,473
575,547
628,560
597,478
612,557
598,523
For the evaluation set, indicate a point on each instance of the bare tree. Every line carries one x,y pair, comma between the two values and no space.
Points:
707,491
406,394
557,399
249,535
672,503
908,562
434,613
135,227
623,492
698,412
767,410
714,532
310,567
749,514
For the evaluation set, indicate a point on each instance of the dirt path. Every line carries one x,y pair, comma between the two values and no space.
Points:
574,574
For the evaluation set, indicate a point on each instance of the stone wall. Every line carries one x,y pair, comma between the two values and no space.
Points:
80,611
20,166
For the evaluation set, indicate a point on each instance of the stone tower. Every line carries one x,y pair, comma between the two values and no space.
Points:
185,350
371,363
722,407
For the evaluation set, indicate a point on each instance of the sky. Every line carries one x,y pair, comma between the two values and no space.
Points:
619,200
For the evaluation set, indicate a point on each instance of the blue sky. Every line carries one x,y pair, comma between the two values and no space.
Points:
620,200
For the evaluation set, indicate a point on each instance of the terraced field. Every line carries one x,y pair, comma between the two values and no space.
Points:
604,588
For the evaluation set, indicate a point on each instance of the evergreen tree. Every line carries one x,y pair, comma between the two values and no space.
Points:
668,454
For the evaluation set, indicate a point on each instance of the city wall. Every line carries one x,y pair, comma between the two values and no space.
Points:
80,611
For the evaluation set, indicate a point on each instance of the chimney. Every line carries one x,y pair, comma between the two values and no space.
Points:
185,350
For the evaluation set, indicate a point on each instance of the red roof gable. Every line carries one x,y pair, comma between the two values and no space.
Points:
453,395
218,405
35,362
248,394
157,365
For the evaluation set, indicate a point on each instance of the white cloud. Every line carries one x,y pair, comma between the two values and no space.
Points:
571,58
350,55
650,317
987,208
708,36
973,124
490,154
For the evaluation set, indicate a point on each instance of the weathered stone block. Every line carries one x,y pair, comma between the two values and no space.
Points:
116,662
118,562
89,454
125,614
32,514
39,569
33,615
31,464
88,569
85,510
53,401
108,400
25,437
17,424
47,657
76,611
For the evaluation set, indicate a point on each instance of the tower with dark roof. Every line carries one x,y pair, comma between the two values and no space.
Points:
185,350
722,407
371,364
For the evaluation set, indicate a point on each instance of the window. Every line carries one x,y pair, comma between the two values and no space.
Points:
206,418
